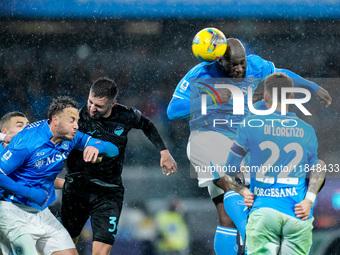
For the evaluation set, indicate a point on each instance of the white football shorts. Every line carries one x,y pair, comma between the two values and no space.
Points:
31,231
208,152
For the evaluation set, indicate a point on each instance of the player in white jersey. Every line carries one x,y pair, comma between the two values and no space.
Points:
286,175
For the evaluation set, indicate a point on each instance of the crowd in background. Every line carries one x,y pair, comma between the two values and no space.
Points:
36,67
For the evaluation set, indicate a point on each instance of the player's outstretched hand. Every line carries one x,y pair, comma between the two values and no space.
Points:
38,196
90,154
168,163
225,95
324,96
248,197
302,209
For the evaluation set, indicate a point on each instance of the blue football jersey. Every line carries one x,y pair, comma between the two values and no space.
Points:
283,149
33,160
191,88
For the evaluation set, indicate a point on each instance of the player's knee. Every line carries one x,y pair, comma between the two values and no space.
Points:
222,184
100,248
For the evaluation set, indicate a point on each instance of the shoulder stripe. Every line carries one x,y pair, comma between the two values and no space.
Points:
88,139
178,97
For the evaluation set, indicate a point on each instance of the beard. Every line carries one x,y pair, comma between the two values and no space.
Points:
98,115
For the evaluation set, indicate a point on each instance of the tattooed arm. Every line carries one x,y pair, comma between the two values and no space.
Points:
235,158
241,189
316,180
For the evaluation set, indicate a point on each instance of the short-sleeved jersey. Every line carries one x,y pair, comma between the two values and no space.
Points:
33,160
189,88
283,149
113,129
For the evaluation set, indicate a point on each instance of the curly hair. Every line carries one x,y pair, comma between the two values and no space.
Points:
59,104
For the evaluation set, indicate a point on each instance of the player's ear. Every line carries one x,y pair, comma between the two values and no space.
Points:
114,102
55,120
265,96
4,131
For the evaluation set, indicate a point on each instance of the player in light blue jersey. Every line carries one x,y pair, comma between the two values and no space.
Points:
209,144
28,167
283,151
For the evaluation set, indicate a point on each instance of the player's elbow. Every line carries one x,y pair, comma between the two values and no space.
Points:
113,151
171,113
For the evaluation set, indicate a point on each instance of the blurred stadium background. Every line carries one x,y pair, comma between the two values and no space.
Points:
58,47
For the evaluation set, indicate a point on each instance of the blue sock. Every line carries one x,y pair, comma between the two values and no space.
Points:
225,241
235,208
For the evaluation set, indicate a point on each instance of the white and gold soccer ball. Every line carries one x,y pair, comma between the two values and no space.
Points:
209,44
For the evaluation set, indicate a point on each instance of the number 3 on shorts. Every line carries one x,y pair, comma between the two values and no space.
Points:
113,222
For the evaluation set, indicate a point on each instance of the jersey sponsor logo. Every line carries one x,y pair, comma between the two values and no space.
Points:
119,130
7,155
56,157
91,132
275,192
50,160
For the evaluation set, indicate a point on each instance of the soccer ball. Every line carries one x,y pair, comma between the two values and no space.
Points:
209,44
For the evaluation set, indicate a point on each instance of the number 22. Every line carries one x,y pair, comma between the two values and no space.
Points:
282,177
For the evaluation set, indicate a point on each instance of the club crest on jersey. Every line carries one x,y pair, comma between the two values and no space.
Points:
39,163
7,155
65,145
119,130
250,78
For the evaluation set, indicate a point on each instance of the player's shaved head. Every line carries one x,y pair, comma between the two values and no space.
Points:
235,49
234,62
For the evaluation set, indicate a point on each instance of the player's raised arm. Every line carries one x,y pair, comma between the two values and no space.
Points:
317,178
235,158
105,148
319,92
178,108
94,147
181,105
